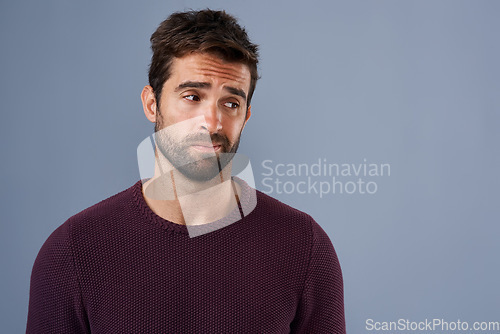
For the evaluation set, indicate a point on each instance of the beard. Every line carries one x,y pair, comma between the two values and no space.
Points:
197,168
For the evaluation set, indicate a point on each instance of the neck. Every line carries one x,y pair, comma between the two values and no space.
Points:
180,200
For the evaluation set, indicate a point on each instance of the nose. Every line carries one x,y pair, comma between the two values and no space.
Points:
213,118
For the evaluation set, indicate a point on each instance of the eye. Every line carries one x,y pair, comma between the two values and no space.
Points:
192,97
232,105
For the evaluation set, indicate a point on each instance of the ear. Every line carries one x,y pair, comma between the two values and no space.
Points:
149,103
249,112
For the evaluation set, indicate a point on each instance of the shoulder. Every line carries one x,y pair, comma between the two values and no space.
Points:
289,223
105,214
280,213
278,209
109,207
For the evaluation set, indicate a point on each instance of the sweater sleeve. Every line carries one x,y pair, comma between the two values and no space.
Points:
55,304
321,309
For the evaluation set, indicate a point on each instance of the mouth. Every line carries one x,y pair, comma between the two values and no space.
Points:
207,148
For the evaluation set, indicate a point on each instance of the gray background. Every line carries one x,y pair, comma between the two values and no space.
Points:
410,83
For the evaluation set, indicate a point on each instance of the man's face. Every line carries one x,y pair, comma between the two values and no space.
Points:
209,97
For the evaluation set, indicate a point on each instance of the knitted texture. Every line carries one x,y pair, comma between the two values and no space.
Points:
117,267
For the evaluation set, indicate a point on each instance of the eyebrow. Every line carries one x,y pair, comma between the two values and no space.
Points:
197,84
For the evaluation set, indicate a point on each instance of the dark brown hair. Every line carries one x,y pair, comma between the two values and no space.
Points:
204,31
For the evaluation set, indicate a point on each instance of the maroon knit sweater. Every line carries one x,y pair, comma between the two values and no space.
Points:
117,267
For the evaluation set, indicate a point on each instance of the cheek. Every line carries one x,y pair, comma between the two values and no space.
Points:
169,118
233,129
172,111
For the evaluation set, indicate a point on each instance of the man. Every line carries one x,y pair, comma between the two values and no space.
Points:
192,249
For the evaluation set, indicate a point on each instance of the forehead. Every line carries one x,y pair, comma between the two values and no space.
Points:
202,66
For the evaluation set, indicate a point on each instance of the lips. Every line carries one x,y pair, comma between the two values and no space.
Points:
207,147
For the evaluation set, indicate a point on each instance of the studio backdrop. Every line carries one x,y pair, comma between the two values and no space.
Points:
378,118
